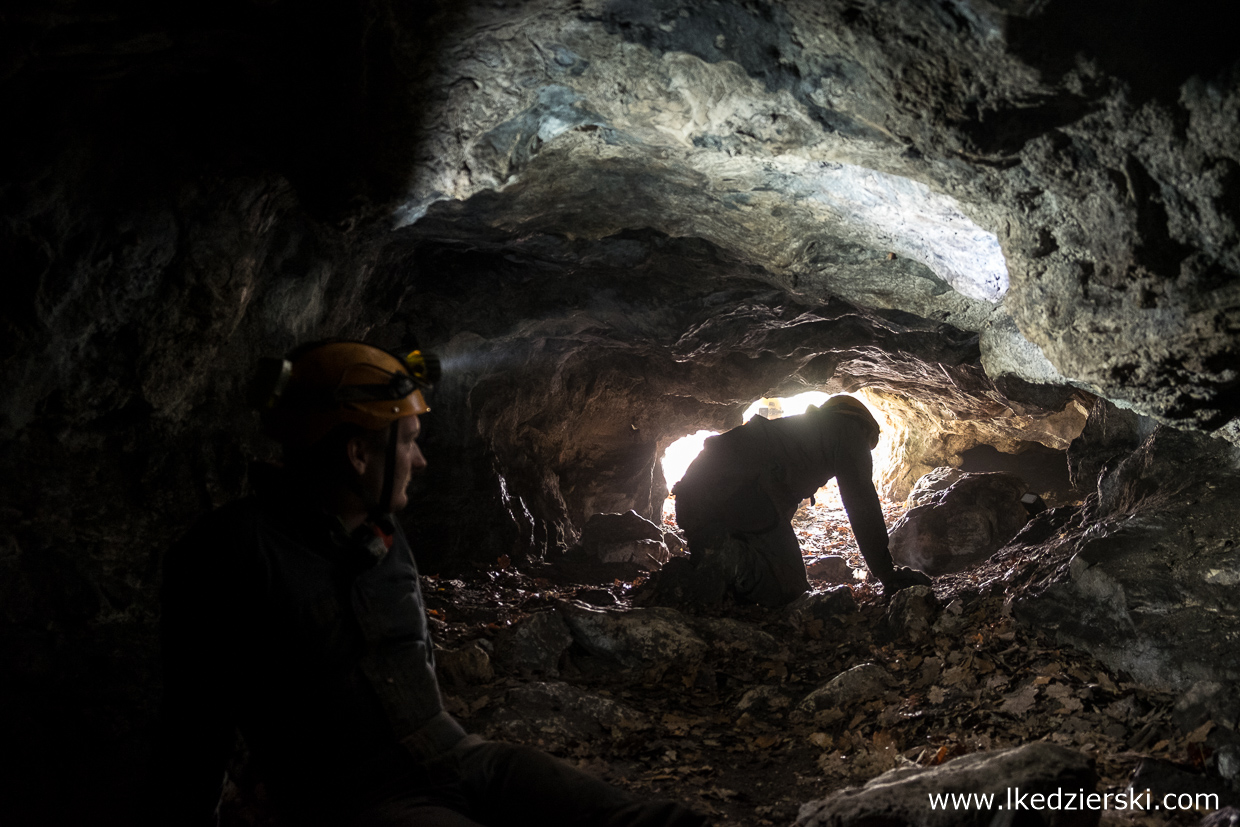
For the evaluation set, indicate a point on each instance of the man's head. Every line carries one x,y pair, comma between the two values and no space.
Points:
347,413
849,406
369,452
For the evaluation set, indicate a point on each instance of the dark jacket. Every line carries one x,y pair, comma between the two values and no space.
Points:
756,475
278,623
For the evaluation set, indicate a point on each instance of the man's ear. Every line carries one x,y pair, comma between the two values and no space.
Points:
358,456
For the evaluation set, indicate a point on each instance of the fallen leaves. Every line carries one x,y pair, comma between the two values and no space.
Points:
1020,701
717,734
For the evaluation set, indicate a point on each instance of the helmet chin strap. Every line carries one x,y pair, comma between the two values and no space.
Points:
381,512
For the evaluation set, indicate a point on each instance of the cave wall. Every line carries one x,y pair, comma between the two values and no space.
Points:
653,338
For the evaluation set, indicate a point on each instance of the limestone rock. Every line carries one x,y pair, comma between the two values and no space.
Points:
1110,433
1164,778
1208,701
636,638
900,797
951,619
466,666
858,685
1225,817
961,525
1227,762
534,645
832,569
821,605
763,697
940,479
624,538
912,612
676,547
727,635
1152,590
619,222
557,714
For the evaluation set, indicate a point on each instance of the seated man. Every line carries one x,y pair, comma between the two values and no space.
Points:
736,501
296,616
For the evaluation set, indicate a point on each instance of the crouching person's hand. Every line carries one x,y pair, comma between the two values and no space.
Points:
902,577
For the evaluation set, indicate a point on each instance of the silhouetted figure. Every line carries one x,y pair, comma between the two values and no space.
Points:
296,616
736,501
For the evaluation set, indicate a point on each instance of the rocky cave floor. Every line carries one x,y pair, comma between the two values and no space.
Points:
722,733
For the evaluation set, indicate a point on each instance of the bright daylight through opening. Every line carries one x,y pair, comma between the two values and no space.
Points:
822,527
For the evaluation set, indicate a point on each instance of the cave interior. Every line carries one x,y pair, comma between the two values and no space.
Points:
1012,227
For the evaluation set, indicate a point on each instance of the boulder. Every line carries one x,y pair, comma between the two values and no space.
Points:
727,635
961,525
636,638
912,612
832,568
534,645
901,797
467,665
866,682
624,538
765,698
835,602
940,479
556,714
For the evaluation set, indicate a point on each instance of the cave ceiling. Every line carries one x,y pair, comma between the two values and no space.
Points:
1053,178
953,161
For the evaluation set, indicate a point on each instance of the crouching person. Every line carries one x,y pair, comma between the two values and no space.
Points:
295,615
736,501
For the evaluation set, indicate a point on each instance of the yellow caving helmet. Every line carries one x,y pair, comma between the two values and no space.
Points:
855,408
323,385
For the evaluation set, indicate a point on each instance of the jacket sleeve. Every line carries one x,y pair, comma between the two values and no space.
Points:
855,477
197,721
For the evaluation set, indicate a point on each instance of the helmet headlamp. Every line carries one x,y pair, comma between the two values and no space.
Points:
302,397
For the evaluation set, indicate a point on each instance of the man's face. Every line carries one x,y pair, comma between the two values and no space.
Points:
409,460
